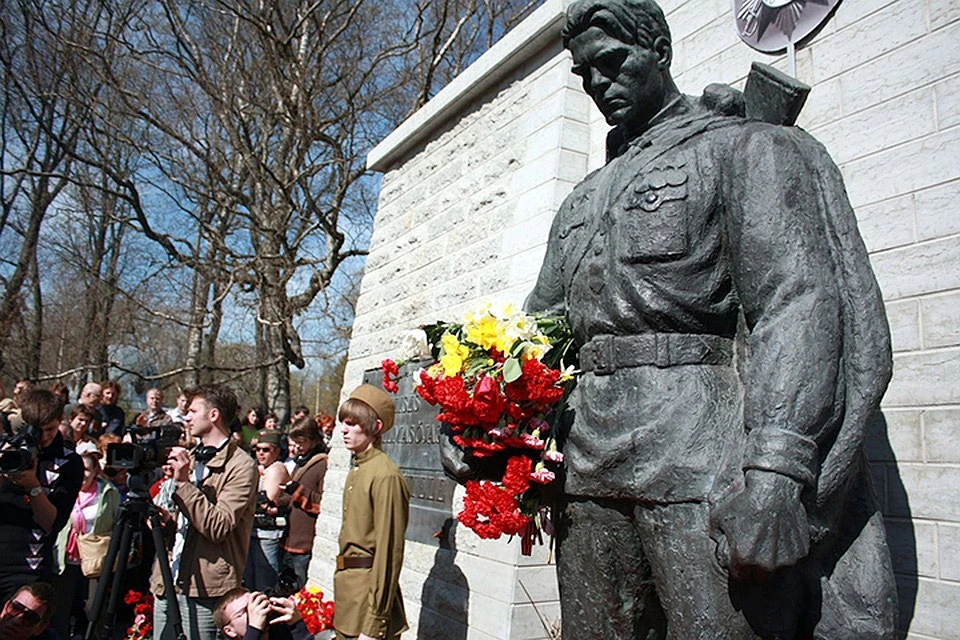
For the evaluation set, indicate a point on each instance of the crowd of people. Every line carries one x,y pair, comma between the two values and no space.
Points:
238,499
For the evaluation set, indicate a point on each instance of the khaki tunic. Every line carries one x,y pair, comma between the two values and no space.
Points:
376,507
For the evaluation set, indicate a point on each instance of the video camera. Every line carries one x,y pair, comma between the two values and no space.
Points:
18,451
144,455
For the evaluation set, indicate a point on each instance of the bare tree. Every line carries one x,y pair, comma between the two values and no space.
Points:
229,133
39,131
257,117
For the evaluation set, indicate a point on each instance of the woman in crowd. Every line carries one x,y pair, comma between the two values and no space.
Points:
79,421
303,493
252,423
263,559
271,422
93,513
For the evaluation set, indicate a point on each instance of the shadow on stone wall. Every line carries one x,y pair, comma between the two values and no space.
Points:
445,598
895,504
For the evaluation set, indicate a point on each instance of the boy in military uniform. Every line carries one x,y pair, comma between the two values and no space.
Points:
376,506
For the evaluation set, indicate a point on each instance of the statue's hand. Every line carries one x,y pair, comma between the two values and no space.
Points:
453,460
763,527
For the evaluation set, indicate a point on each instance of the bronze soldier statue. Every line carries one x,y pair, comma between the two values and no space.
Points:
734,347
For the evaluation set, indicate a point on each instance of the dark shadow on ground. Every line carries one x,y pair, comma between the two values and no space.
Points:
895,504
445,598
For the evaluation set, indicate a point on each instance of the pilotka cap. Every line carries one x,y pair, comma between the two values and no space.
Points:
378,400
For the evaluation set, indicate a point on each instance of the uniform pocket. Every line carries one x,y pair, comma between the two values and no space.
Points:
654,220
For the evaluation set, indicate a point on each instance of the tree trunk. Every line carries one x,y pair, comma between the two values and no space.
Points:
34,333
198,314
277,372
11,305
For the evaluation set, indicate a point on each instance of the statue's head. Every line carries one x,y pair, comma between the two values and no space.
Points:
622,51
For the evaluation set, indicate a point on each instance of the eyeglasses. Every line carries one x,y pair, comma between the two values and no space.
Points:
29,616
263,449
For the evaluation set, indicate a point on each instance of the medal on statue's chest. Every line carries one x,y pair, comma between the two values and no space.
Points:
773,25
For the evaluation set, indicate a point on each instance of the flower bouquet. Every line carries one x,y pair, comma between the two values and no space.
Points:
317,614
142,604
500,379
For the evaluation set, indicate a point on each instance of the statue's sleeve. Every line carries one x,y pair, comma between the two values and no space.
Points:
787,281
547,295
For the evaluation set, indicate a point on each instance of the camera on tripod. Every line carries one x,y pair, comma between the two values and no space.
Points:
144,454
18,451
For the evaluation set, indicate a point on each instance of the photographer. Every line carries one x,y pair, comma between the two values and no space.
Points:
251,615
214,493
36,497
26,614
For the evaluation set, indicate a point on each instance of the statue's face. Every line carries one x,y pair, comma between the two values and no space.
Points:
625,81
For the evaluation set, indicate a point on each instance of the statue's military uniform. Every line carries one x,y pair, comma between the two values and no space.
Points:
706,273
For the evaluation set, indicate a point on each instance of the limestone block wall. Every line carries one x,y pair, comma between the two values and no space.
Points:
470,185
462,219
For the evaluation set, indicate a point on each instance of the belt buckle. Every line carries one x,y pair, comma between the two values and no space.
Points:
603,361
661,345
340,563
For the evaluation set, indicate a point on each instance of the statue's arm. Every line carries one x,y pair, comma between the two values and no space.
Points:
784,274
547,295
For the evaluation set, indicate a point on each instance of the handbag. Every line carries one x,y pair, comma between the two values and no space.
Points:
93,550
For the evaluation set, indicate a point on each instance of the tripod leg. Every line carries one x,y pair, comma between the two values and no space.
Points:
118,536
118,577
173,607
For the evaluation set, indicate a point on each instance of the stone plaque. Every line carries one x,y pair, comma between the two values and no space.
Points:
413,444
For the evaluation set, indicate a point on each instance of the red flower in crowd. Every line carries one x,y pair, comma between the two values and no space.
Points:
538,385
427,387
516,479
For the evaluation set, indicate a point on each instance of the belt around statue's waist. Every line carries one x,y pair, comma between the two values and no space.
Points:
605,354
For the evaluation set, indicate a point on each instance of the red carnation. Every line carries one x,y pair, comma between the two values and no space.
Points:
427,387
390,374
488,402
516,479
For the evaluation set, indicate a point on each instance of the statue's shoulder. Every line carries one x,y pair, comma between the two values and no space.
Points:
582,193
758,138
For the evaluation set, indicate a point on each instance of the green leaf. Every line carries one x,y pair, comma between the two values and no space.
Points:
511,370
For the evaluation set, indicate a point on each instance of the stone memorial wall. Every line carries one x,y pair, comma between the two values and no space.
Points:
470,186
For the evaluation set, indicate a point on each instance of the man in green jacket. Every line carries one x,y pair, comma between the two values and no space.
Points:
376,507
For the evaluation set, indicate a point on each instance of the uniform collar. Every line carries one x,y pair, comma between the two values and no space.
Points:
365,456
673,114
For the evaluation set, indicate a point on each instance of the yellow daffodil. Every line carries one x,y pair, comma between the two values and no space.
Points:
454,355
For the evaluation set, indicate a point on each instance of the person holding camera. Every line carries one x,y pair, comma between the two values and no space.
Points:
26,614
215,494
270,519
39,484
252,615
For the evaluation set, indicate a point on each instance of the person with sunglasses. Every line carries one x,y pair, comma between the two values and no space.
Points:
26,615
263,560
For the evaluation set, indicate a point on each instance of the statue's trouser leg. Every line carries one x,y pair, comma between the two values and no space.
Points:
606,589
695,591
858,591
